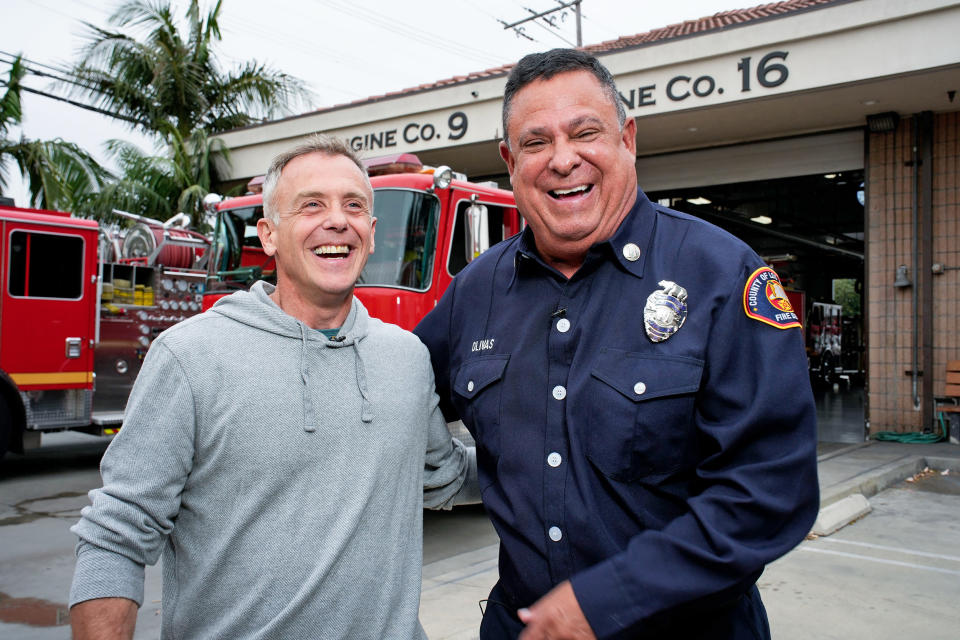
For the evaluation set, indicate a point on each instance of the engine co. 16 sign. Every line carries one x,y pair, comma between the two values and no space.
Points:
767,72
412,133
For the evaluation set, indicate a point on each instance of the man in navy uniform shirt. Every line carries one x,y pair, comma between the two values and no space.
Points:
636,382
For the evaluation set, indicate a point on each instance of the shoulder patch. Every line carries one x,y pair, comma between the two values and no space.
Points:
765,299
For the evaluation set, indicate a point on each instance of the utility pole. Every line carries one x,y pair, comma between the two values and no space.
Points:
551,21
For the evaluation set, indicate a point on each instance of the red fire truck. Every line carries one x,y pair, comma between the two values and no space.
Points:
824,340
79,306
430,224
76,327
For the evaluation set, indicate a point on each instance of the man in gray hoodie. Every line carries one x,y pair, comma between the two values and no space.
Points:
277,450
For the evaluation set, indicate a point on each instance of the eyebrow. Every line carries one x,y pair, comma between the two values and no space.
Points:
570,124
313,193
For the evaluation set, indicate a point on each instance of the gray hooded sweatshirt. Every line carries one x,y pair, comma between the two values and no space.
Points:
280,474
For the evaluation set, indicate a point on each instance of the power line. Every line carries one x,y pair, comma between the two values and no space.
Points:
536,17
76,104
29,68
413,33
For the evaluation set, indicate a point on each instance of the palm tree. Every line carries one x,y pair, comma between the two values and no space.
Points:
159,186
170,81
60,175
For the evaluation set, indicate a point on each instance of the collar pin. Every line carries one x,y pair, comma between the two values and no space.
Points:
631,252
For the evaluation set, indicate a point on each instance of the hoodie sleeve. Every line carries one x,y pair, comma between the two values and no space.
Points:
144,471
450,468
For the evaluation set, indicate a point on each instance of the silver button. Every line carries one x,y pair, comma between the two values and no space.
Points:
563,325
559,392
631,252
555,534
639,388
554,459
470,386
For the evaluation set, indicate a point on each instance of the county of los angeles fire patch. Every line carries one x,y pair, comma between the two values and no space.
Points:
765,299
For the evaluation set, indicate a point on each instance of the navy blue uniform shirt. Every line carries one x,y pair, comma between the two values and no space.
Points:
658,476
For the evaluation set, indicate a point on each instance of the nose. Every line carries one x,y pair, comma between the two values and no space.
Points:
564,158
336,219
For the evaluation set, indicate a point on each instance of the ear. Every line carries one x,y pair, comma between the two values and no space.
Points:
629,136
373,228
265,231
507,157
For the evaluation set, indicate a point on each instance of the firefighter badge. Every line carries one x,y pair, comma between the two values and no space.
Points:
665,311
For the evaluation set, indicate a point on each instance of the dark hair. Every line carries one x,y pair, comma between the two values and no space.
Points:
545,65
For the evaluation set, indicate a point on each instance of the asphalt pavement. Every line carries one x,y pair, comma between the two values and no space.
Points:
885,570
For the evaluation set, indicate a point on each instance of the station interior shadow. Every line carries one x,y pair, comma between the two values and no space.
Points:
840,414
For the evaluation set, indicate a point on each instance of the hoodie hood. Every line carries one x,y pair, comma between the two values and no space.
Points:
256,309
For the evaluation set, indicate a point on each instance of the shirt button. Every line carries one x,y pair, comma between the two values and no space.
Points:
559,392
639,388
563,325
470,386
554,459
555,534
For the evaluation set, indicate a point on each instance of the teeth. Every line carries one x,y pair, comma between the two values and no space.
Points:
331,248
565,192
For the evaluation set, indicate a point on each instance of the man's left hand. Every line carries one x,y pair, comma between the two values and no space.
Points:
556,616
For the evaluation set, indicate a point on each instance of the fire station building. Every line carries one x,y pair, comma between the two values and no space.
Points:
824,133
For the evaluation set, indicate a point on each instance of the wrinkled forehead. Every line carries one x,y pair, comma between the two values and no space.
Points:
565,104
578,94
323,174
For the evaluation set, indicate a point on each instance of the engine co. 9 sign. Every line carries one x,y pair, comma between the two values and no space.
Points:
413,133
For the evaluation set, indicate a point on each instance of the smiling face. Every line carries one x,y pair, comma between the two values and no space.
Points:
323,235
571,165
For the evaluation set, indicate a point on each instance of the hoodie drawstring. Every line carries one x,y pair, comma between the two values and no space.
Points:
309,419
366,412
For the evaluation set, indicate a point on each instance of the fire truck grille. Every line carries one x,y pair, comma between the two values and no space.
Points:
58,408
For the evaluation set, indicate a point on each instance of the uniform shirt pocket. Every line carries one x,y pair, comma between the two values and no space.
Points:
478,388
641,420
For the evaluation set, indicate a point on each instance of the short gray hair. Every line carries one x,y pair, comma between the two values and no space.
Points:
545,65
316,143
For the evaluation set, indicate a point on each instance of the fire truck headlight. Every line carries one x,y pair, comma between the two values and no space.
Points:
121,366
144,341
442,177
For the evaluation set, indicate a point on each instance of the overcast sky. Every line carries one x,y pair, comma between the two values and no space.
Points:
344,50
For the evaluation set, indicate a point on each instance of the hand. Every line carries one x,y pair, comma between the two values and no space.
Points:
556,616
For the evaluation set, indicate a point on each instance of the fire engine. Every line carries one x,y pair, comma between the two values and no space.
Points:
430,224
79,307
81,304
824,340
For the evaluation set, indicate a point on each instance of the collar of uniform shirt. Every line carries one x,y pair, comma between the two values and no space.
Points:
637,229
